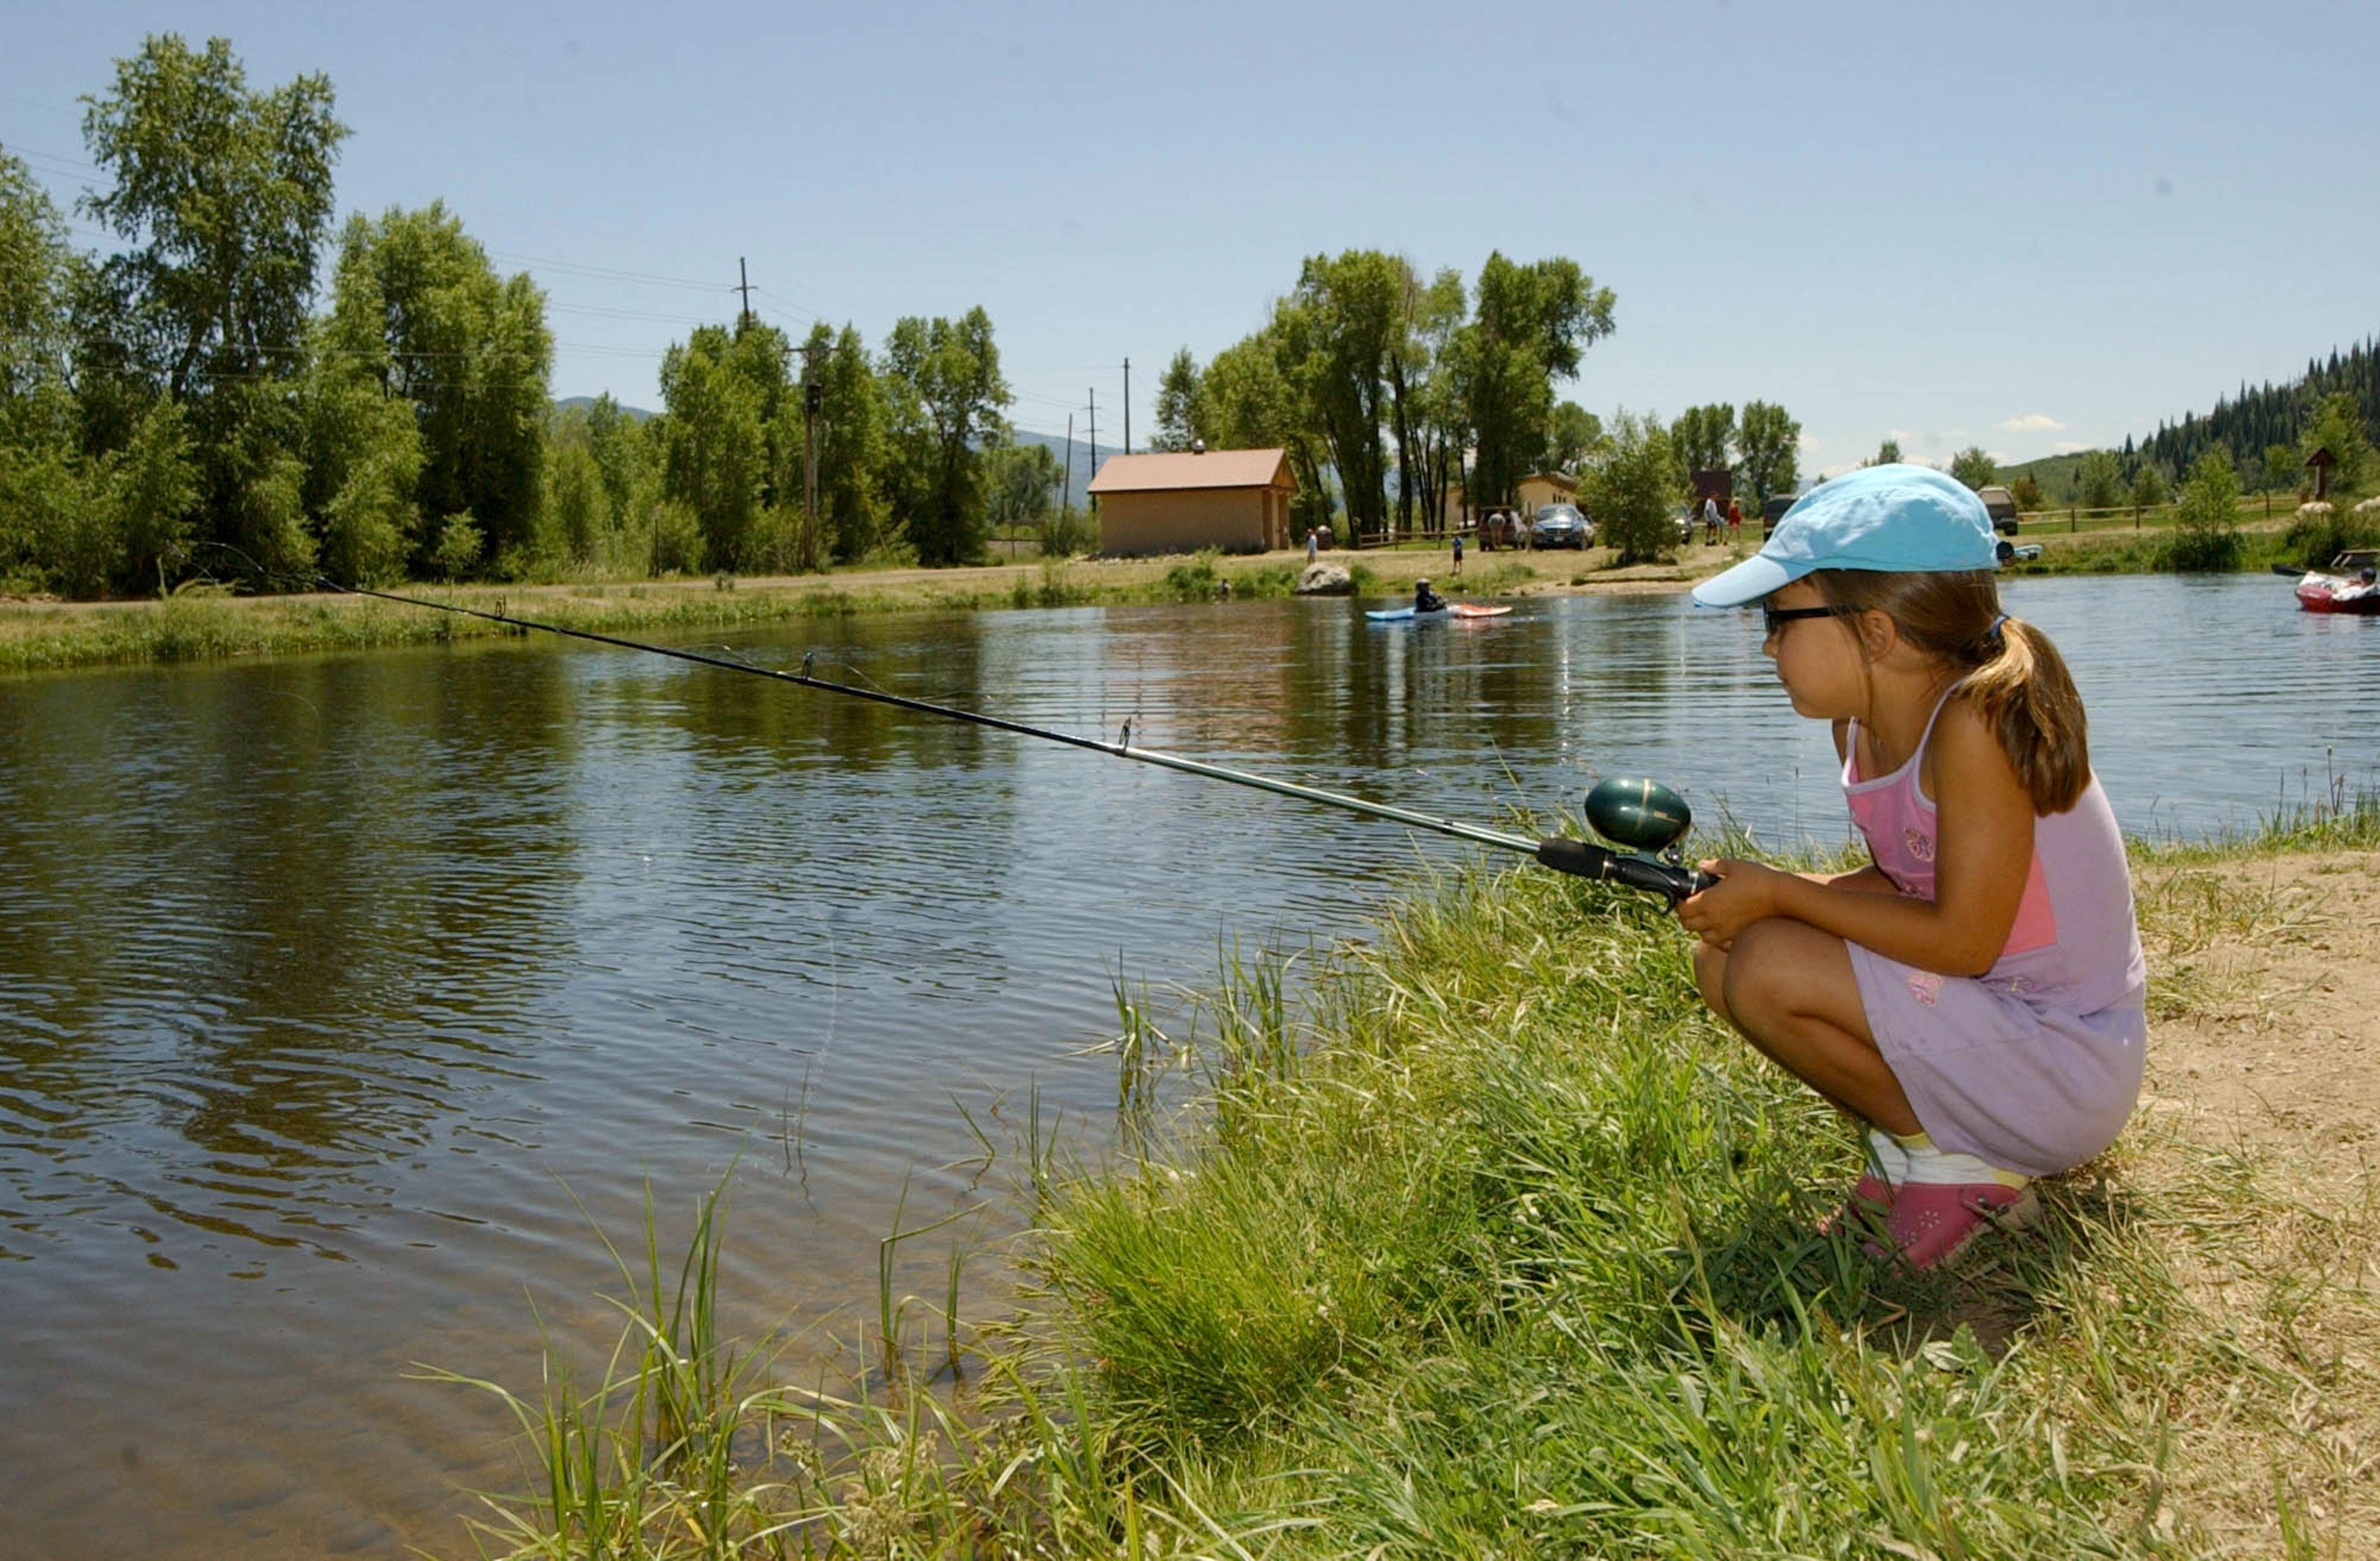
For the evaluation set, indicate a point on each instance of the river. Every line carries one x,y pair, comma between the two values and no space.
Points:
342,997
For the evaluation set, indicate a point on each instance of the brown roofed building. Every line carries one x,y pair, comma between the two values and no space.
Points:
1236,500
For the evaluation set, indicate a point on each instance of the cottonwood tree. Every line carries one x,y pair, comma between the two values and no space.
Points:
1530,326
1425,401
1888,453
221,197
1020,483
85,508
852,450
1245,401
1769,449
418,306
724,440
1572,433
943,394
1337,332
1703,436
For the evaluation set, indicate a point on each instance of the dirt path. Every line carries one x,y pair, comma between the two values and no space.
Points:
2266,978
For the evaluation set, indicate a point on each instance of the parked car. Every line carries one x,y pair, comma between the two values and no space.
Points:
2001,505
1772,510
1561,526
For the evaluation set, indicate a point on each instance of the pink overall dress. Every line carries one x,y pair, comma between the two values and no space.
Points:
2035,1065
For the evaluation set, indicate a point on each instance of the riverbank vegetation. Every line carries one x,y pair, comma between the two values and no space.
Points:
1494,1244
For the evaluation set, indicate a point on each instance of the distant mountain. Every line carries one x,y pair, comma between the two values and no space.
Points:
2244,422
637,413
1056,444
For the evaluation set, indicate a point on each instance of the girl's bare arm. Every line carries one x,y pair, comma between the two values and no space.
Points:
1984,852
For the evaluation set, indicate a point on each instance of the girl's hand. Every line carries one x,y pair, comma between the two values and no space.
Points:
1746,891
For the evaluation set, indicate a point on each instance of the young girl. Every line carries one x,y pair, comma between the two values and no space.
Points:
1976,995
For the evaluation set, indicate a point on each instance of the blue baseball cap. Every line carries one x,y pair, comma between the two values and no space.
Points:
1898,519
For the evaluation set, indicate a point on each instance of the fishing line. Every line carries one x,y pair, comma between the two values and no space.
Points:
1636,813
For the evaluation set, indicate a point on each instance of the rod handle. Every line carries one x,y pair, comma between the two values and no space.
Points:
1587,860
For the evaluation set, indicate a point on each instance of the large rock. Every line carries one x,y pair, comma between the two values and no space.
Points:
1325,579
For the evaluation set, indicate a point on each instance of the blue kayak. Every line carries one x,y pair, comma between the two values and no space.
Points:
1451,610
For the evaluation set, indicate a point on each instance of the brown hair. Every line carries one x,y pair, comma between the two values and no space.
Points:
2013,676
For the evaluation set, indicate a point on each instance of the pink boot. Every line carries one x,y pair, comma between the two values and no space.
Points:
1870,1203
1934,1222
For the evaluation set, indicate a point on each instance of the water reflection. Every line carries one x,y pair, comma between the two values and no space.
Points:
330,990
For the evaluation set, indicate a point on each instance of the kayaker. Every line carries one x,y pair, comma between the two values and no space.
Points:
1976,994
1426,599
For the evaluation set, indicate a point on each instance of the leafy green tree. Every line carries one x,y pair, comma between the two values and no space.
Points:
1769,449
36,275
1245,402
624,450
1020,483
221,197
1426,415
1632,493
2101,480
457,552
1702,437
1531,325
2337,426
2149,487
943,396
361,467
2283,468
716,452
1975,467
1177,403
1572,435
1337,332
2027,494
2206,534
852,450
1888,453
418,306
577,503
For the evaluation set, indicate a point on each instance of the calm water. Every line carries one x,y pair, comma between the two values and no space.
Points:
330,990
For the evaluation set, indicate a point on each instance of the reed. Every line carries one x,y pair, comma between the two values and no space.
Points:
1486,1241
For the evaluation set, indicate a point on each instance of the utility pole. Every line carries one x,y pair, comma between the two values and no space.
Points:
1127,405
743,286
813,397
1093,499
1066,494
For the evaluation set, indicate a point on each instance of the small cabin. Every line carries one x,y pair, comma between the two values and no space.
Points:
1182,501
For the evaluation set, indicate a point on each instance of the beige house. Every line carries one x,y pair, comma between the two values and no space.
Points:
1237,500
1544,488
1536,489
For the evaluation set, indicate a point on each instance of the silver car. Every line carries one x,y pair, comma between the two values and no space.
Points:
1561,526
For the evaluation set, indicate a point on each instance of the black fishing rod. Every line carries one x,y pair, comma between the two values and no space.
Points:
1645,818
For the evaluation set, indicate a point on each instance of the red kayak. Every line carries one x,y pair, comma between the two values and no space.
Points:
2351,584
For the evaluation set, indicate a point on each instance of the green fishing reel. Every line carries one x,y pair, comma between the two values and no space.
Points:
1648,820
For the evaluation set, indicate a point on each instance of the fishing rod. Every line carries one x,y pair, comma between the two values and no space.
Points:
1644,818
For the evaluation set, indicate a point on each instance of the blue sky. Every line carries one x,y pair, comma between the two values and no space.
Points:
2027,227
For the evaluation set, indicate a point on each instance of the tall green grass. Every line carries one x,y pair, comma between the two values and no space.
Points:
1486,1241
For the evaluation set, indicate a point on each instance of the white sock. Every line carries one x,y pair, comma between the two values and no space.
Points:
1927,1165
1884,1158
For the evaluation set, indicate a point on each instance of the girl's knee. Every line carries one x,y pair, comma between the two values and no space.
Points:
1757,973
1710,975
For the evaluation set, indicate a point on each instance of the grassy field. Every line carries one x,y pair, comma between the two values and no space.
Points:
1497,1246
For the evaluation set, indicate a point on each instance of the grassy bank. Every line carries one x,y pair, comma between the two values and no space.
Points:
196,626
1496,1246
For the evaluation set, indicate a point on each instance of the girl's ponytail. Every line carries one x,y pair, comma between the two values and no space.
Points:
2014,677
2026,695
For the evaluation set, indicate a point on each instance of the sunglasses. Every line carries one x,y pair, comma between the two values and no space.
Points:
1772,618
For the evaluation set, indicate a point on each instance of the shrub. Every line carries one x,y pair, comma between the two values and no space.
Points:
1631,493
2321,533
2206,535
